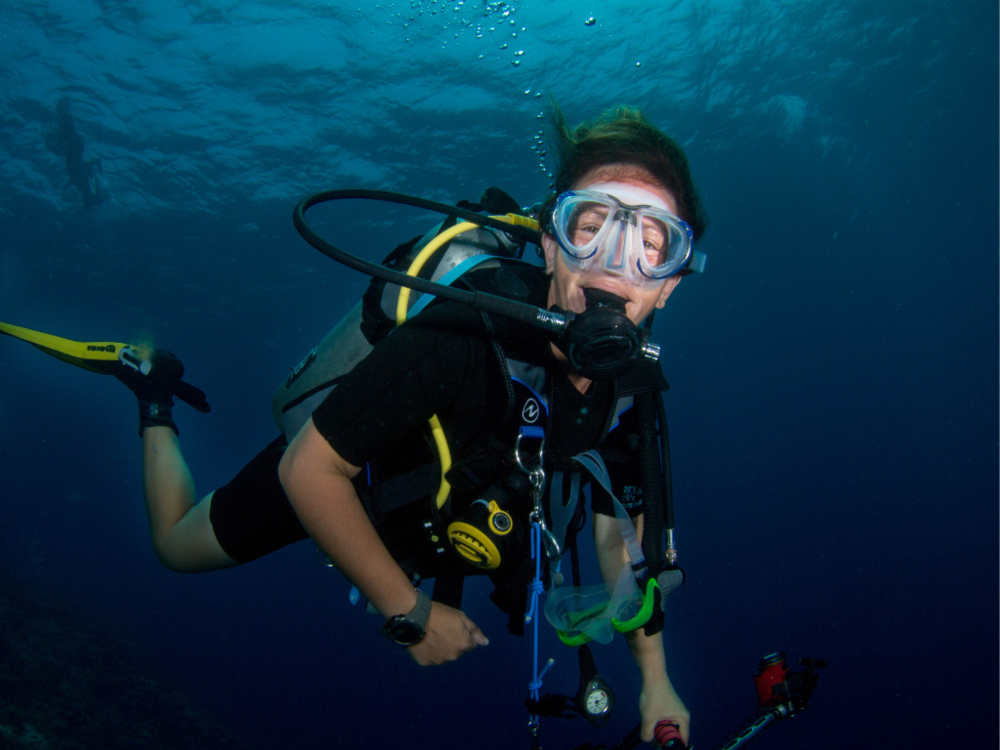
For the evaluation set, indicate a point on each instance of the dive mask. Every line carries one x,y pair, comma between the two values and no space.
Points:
623,230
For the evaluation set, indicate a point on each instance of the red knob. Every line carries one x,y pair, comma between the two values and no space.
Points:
668,736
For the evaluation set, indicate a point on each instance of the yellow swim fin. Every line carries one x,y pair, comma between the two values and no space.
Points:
97,356
106,358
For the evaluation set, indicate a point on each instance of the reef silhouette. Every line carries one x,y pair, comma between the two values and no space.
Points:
70,682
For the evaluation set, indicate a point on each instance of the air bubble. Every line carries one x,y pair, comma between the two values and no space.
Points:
503,46
638,64
516,63
519,52
590,21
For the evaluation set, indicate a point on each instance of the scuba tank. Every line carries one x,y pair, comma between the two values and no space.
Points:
370,321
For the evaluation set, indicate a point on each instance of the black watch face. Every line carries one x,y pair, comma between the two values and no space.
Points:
404,632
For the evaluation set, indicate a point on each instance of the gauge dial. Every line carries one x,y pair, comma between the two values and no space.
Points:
597,702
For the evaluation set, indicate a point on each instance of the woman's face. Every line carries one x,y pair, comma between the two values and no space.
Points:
566,289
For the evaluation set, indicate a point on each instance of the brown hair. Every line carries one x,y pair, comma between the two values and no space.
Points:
623,136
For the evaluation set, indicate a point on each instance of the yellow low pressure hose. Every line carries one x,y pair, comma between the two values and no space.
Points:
402,307
403,303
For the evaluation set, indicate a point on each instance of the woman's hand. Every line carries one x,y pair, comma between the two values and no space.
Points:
658,702
448,635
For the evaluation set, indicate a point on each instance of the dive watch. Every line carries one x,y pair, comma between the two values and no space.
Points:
408,629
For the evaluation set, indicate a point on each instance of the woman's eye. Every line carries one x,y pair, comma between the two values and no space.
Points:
587,224
652,242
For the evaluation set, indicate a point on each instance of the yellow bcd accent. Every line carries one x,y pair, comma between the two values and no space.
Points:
402,307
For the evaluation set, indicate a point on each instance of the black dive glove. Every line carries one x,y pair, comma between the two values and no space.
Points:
149,379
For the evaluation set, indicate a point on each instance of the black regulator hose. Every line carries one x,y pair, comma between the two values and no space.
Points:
666,475
652,479
549,321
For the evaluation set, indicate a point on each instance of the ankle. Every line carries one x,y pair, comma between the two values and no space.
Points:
156,413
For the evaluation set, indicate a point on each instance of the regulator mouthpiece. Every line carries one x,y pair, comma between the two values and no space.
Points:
601,343
597,298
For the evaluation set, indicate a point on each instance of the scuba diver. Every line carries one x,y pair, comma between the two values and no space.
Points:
67,142
457,443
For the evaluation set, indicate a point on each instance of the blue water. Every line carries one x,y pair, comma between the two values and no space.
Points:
834,373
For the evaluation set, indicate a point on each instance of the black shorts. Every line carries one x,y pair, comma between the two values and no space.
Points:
251,516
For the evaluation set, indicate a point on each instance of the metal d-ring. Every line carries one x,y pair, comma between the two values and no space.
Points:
520,464
536,477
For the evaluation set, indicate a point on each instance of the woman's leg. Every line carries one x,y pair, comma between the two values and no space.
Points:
247,518
181,530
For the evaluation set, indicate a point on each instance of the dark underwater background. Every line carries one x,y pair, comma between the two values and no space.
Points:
833,408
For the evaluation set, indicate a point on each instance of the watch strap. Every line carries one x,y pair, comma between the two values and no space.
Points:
421,610
416,617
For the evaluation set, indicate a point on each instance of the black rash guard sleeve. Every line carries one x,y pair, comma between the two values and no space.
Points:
432,364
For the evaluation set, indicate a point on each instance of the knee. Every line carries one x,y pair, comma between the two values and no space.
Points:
172,558
190,545
188,548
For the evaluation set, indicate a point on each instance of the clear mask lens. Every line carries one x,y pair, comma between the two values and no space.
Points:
644,243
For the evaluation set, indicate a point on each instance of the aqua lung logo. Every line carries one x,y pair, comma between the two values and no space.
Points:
108,348
530,411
